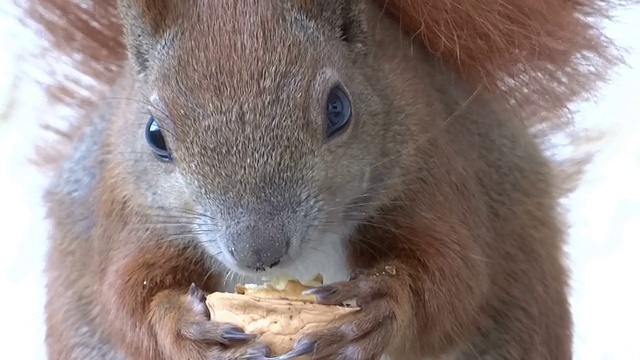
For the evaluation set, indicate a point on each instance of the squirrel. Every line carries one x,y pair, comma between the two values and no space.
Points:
392,146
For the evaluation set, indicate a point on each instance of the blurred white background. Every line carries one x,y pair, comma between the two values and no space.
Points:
604,247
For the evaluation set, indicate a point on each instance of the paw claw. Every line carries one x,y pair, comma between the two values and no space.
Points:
234,333
324,294
257,354
197,299
302,347
320,290
195,292
310,292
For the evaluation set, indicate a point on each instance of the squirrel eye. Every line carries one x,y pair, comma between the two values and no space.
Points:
338,111
155,139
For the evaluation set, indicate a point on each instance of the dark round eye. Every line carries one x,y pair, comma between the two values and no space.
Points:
338,111
155,139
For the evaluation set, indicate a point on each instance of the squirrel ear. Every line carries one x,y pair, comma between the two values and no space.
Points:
145,23
347,17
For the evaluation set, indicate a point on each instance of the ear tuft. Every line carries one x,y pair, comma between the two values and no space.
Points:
539,55
153,15
352,26
145,23
345,17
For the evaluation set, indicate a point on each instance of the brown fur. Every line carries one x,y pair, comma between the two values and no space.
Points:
88,38
530,51
460,251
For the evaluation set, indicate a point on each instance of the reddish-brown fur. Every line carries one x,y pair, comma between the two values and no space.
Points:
529,50
493,43
445,261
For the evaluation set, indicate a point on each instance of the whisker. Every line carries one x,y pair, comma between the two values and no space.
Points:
168,224
209,273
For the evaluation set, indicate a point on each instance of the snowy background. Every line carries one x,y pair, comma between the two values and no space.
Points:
604,246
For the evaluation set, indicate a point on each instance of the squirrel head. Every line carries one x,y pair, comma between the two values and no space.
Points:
261,123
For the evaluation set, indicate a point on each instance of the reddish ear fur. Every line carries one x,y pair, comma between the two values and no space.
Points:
154,15
87,36
90,30
538,54
153,11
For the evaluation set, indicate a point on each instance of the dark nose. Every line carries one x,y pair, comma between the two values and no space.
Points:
258,248
257,259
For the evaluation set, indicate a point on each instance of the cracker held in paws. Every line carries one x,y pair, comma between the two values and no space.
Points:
277,311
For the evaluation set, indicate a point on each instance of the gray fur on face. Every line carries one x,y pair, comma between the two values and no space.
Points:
248,135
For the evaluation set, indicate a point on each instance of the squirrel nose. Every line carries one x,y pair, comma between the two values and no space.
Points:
262,240
258,252
258,259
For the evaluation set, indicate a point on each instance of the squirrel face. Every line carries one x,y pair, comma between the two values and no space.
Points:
263,131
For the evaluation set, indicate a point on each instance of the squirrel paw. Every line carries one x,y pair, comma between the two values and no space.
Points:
363,335
199,338
199,327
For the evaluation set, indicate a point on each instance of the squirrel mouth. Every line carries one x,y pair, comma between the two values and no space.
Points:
265,268
264,265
